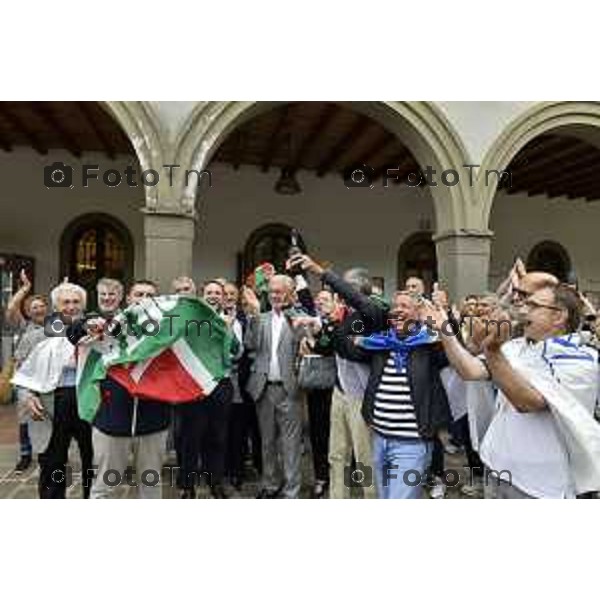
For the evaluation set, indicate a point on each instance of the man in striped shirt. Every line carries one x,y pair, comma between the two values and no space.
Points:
405,402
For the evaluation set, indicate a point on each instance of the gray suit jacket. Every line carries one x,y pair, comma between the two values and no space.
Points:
258,340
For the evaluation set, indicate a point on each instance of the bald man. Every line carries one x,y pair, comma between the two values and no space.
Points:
526,286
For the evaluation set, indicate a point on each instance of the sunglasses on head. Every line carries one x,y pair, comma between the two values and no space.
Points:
520,293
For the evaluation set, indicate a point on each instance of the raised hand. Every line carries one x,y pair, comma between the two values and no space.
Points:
432,315
313,324
293,261
438,296
305,347
520,269
25,283
497,332
249,301
308,264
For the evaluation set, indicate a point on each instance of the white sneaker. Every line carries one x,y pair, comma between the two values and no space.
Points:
451,448
438,490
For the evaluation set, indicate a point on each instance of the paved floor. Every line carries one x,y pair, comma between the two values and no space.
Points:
17,485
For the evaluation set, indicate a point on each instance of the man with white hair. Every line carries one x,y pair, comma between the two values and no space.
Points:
49,376
274,342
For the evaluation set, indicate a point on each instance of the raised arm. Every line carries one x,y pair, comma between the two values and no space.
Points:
251,307
305,296
13,313
348,293
469,367
518,391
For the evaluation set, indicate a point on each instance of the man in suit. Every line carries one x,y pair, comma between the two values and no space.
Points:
274,342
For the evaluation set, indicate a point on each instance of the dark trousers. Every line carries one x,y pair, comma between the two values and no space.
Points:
243,429
66,425
437,457
24,440
201,430
319,418
464,435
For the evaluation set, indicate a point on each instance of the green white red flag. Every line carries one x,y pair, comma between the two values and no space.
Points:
169,348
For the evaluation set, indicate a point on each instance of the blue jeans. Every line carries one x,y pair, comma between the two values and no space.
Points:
400,466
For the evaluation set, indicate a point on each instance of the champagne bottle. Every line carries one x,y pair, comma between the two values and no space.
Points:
295,250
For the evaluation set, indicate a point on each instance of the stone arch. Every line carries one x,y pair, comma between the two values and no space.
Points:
150,141
537,120
108,234
269,242
417,258
552,257
422,127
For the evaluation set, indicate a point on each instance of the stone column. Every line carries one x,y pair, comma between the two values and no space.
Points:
463,258
169,244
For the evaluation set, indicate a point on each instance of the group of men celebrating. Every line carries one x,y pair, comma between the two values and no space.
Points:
520,362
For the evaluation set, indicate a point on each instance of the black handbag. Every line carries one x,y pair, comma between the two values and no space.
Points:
317,372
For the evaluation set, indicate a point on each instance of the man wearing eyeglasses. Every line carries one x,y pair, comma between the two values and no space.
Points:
529,284
542,440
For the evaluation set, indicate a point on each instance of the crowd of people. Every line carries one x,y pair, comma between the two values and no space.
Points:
381,389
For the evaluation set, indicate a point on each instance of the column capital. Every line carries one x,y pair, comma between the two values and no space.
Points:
463,233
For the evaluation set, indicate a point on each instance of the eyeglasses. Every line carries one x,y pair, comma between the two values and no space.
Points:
530,304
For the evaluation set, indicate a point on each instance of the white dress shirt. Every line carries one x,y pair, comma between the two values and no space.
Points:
277,323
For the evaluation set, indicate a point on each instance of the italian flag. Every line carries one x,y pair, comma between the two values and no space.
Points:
170,348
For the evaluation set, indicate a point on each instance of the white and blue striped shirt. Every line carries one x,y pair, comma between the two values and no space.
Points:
394,410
